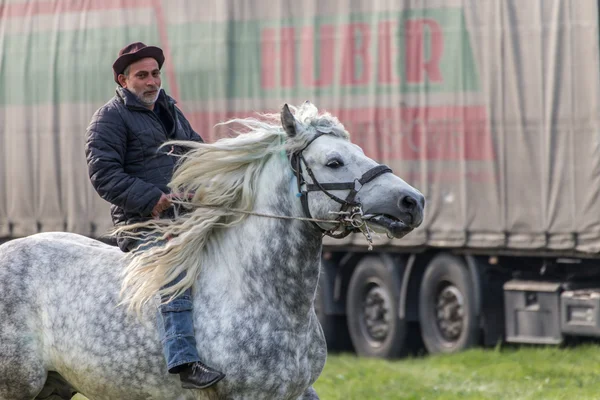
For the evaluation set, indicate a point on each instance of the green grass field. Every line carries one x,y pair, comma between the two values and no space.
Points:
540,373
535,373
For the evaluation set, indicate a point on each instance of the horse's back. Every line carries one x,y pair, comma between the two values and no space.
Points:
33,266
47,248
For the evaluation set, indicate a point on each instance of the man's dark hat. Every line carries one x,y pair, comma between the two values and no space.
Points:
134,52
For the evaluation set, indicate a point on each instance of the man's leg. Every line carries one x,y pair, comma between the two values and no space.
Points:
178,339
176,326
179,342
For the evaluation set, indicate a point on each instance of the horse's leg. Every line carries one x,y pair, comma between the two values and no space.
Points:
20,379
22,370
309,394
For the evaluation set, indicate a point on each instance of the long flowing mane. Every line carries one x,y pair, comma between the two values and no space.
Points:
211,182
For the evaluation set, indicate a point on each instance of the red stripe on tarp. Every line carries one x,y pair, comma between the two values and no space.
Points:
407,133
13,10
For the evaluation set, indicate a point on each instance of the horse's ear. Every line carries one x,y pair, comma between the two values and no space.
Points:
288,121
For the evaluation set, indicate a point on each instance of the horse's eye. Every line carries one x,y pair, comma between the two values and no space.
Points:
335,164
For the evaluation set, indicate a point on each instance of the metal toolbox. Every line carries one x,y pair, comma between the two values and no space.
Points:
532,312
580,311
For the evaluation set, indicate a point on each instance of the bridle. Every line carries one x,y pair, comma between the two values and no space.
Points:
347,205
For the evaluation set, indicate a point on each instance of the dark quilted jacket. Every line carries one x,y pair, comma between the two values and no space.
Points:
125,165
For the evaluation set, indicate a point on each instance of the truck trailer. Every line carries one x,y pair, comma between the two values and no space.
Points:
491,108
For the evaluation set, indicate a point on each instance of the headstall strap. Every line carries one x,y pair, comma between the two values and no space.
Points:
297,159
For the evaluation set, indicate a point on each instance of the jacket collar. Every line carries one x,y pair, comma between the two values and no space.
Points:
130,100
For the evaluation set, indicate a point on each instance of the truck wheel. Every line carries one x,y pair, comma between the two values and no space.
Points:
447,306
372,308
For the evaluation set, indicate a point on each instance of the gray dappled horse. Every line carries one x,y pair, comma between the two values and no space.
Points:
250,254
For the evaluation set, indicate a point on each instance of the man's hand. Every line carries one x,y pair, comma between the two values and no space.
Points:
163,203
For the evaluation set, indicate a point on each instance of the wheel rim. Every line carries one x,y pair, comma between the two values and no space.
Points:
375,321
449,312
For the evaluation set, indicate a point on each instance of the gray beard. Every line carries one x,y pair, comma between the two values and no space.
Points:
146,102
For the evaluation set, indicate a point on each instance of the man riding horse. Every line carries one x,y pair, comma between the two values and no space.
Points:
128,170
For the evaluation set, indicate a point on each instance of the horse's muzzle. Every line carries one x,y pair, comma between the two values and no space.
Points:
400,217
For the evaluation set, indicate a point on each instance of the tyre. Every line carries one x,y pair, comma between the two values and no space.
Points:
372,308
449,323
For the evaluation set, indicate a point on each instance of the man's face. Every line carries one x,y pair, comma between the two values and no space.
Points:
143,80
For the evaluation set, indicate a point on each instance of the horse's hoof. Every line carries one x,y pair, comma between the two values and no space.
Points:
199,376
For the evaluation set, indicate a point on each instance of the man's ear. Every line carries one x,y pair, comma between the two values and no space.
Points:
122,80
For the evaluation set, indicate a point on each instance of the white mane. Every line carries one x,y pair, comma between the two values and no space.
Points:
223,176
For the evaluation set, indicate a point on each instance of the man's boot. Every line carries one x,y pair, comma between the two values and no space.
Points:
199,376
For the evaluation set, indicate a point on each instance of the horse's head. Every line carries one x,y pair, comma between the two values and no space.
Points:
335,175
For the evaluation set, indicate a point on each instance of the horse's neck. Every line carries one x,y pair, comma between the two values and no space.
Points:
272,261
281,265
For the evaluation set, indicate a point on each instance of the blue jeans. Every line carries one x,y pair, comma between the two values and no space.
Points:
176,326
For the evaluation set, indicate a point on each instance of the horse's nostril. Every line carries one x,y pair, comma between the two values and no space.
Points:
408,203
